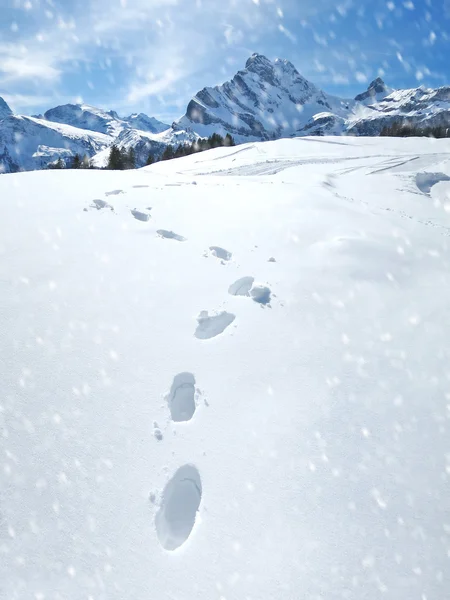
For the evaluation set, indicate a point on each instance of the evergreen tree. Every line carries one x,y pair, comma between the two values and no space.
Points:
115,161
130,159
229,141
85,164
59,164
168,153
76,162
150,160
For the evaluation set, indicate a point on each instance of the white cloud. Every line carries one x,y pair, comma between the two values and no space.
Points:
361,77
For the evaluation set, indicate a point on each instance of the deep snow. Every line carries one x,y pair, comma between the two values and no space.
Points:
314,462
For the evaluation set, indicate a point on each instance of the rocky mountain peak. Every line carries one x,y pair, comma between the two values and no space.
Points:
5,111
377,90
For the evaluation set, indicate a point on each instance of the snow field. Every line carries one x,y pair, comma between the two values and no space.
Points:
259,411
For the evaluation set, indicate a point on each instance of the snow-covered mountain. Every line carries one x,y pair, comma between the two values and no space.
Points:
27,143
376,92
91,118
266,100
87,117
239,393
270,99
420,106
142,122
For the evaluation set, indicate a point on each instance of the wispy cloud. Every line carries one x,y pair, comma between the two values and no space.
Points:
138,54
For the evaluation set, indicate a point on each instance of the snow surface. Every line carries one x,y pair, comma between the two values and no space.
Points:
300,453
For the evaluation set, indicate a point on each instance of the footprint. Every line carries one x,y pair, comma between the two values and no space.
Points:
99,204
272,259
221,253
260,294
181,398
137,187
425,181
179,506
241,287
211,326
246,287
114,193
140,216
170,235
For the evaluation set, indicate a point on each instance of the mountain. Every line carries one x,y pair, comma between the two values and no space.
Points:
144,123
87,117
27,143
5,111
421,107
266,100
376,92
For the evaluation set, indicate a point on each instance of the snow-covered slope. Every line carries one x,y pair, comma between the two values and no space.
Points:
226,376
265,100
87,117
26,141
142,122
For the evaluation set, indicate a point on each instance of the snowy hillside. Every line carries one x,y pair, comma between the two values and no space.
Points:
226,376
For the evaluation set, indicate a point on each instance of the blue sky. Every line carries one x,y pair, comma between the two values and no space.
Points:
153,55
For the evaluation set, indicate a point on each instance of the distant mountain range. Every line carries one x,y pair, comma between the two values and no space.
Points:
266,100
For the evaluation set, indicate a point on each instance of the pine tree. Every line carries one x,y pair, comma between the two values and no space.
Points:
59,164
150,160
229,141
115,161
168,153
85,164
130,161
76,162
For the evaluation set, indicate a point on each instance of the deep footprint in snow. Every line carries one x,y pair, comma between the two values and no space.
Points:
99,204
170,235
241,287
260,294
179,506
210,326
425,181
221,253
181,398
245,286
140,216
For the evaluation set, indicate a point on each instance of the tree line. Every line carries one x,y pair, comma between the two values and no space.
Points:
213,141
402,129
120,159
